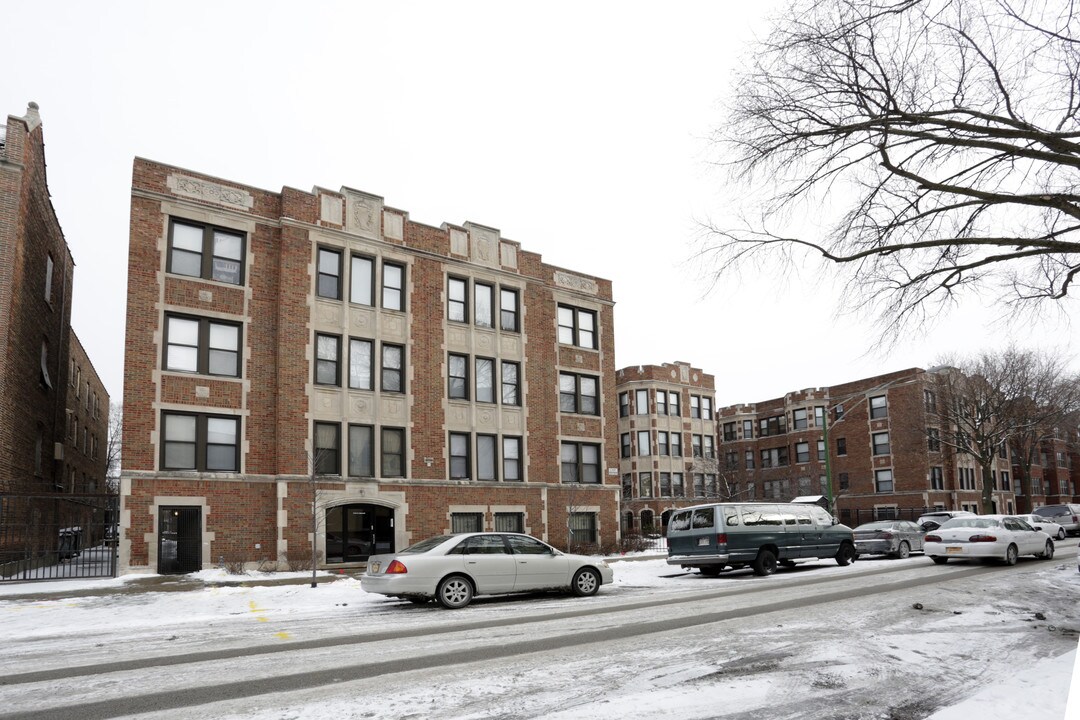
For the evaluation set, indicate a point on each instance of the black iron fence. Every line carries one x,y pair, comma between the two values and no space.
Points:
56,536
852,518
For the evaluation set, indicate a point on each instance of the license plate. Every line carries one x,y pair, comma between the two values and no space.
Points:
702,541
954,551
374,568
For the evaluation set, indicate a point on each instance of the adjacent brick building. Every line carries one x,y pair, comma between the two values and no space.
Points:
438,378
667,443
42,454
878,455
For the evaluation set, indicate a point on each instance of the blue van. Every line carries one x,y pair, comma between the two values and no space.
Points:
729,536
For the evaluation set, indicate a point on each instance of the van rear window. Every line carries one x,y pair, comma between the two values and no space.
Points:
680,521
704,518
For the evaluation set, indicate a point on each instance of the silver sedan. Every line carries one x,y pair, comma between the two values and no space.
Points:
889,537
454,568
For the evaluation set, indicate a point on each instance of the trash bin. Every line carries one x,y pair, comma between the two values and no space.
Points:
69,543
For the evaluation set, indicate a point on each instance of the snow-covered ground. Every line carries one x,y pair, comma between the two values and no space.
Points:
88,621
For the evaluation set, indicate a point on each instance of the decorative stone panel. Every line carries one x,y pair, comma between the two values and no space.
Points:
363,213
207,191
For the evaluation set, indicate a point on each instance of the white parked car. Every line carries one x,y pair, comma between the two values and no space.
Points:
454,568
987,537
1047,526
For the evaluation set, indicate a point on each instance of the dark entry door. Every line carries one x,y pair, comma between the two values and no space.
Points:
179,540
355,532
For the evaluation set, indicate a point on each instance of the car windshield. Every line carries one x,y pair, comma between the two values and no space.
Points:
974,522
425,545
876,526
1051,511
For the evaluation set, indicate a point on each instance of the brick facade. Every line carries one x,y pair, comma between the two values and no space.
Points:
37,346
315,361
668,448
87,420
881,462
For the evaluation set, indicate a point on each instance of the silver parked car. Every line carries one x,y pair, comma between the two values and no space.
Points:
933,520
1040,523
889,537
1067,516
454,568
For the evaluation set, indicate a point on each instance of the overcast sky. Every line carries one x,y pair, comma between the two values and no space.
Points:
577,129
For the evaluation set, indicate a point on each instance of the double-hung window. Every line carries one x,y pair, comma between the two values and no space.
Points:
580,462
201,345
328,283
327,359
457,300
673,404
196,441
393,290
881,443
661,402
512,469
207,252
327,448
695,406
393,368
879,408
393,452
459,456
577,326
511,387
458,376
578,394
508,310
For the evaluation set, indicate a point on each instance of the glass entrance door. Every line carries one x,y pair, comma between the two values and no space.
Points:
355,532
179,540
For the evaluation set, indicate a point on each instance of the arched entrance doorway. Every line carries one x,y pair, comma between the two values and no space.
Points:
355,532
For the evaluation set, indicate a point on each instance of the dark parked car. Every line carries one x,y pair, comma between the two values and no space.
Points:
889,537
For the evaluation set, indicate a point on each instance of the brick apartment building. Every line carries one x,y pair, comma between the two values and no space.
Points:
439,379
41,454
667,442
879,455
1054,474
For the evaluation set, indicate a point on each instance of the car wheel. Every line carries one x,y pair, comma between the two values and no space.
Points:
846,554
1011,553
940,560
903,551
1048,553
586,582
764,563
454,592
1061,534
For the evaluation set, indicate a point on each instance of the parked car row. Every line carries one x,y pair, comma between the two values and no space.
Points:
713,538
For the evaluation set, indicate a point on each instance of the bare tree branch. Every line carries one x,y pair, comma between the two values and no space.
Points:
922,137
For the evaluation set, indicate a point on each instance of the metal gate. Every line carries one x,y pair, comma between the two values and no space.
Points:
57,536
